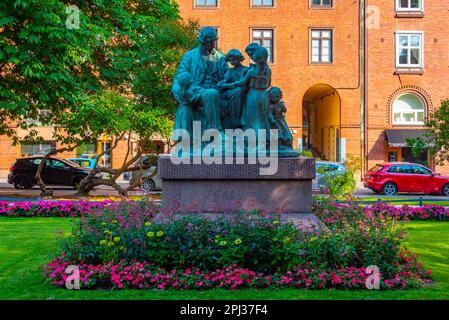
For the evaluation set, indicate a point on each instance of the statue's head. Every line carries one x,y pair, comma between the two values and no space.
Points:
275,94
260,55
184,79
234,57
251,48
207,38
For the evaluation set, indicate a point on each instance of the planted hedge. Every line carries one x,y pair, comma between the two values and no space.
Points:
123,246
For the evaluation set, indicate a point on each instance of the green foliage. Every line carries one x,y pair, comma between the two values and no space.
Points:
259,242
437,138
340,184
123,55
306,153
250,240
354,236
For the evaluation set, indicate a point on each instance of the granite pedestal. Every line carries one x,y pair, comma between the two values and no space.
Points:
221,188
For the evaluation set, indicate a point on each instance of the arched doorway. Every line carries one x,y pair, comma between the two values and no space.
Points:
321,122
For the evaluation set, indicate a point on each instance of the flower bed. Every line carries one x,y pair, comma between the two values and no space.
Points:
112,249
142,275
70,208
63,208
334,211
428,212
47,208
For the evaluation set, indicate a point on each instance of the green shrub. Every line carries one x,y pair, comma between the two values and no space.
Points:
259,242
306,153
253,241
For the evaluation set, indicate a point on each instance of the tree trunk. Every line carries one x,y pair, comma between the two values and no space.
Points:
90,182
46,192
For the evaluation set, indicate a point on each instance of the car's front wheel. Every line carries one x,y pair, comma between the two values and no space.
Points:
21,183
446,190
148,185
390,189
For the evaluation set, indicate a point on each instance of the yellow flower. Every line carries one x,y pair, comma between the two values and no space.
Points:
313,239
160,233
114,221
147,224
122,248
117,239
223,243
111,244
150,234
103,242
275,222
103,224
238,241
286,240
107,232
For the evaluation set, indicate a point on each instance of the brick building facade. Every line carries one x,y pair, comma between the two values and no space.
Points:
407,73
356,81
384,71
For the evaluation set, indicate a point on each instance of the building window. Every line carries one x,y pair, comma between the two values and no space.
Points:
408,109
262,3
409,5
87,150
264,37
205,3
34,149
321,46
409,49
321,3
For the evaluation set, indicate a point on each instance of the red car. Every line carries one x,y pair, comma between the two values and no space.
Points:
393,177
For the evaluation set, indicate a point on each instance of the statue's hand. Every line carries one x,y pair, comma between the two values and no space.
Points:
177,92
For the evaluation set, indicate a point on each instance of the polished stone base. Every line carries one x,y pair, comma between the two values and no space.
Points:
221,188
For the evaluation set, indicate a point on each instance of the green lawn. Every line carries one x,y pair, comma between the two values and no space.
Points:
26,244
405,201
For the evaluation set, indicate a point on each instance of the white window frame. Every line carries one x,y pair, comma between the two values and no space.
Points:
261,5
402,122
331,48
271,57
398,49
321,6
205,6
399,9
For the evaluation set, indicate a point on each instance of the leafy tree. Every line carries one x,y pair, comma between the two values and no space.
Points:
341,185
111,75
437,136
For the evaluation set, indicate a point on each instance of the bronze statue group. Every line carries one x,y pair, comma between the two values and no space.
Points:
223,97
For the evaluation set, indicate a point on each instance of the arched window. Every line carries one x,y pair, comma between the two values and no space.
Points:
408,109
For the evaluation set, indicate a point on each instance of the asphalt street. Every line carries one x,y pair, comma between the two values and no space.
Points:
7,191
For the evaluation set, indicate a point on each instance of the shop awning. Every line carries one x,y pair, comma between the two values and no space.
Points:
398,137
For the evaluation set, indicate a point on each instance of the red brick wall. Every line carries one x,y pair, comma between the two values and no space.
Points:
433,84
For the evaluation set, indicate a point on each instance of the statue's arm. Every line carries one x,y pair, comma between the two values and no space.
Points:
269,76
271,119
224,67
283,108
245,79
184,66
224,81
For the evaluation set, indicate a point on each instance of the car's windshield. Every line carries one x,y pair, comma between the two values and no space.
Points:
376,168
72,163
